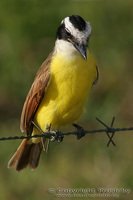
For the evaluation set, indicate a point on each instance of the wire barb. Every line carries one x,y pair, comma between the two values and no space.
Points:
109,130
113,132
80,131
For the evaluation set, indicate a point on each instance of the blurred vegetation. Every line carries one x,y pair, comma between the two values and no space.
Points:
27,35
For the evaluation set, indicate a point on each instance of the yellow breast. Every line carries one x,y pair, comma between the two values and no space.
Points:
71,81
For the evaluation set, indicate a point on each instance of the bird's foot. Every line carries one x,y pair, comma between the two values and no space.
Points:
56,135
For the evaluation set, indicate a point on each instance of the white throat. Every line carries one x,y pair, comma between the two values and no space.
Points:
66,49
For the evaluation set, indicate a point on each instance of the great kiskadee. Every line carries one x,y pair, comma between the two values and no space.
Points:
60,89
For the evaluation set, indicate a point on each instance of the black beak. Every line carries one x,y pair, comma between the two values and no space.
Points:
82,49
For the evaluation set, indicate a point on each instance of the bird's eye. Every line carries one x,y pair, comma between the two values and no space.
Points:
68,33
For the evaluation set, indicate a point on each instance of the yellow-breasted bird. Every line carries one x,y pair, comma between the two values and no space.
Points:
60,89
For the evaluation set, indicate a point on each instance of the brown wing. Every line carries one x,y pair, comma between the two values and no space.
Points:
35,96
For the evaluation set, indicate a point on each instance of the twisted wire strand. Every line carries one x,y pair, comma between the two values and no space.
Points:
48,135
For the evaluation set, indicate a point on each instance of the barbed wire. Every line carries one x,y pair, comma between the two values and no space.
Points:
79,132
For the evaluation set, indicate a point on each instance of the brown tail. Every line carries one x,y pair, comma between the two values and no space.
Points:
26,154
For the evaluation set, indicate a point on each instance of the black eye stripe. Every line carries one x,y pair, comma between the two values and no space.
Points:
63,33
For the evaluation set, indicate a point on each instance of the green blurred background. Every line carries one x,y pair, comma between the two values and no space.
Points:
27,35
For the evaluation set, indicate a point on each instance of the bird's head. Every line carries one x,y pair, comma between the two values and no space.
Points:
74,32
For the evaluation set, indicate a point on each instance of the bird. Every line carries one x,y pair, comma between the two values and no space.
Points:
59,91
